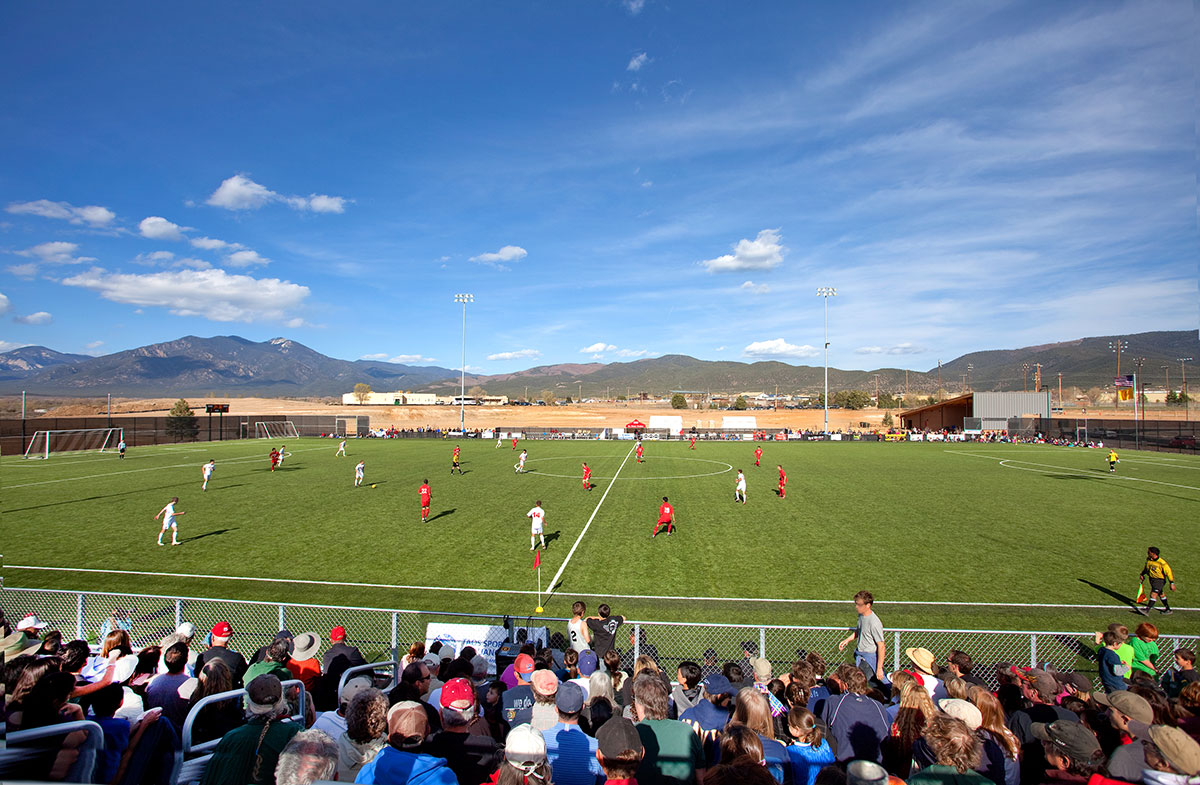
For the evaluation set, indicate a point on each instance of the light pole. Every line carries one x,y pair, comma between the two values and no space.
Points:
825,292
1183,370
1117,346
462,394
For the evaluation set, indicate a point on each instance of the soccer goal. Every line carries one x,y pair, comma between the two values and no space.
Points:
350,426
283,429
80,440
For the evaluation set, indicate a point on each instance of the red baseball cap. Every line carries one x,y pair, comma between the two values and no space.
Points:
222,630
523,664
458,694
337,634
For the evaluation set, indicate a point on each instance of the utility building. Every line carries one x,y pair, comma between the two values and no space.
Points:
978,411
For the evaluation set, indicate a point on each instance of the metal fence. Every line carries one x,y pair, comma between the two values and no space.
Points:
385,634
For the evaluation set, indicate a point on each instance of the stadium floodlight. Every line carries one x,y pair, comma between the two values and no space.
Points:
826,292
1183,361
462,395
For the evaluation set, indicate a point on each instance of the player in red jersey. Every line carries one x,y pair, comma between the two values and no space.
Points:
666,517
693,442
758,456
782,482
274,458
426,497
514,442
639,452
587,477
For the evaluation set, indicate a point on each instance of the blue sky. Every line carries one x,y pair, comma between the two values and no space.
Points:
611,179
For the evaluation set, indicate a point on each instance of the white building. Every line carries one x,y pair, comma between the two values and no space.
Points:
398,398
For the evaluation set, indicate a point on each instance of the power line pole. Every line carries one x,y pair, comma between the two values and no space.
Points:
1060,400
939,381
964,384
970,367
876,391
1182,370
1037,377
1117,346
905,382
1025,368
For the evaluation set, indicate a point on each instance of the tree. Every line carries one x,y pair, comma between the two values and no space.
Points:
887,419
568,399
852,399
1094,394
678,401
362,392
181,423
477,392
622,398
887,401
548,397
740,403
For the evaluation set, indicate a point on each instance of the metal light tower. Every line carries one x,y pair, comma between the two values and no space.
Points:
1117,346
825,292
462,395
1183,370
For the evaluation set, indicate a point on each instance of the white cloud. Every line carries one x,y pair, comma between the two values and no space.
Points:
719,349
634,7
157,228
241,193
212,294
195,264
638,61
91,214
509,253
406,359
93,348
376,356
41,317
520,354
212,244
900,348
599,346
22,270
755,288
633,352
295,323
778,347
246,258
762,253
153,258
4,304
647,183
8,346
57,252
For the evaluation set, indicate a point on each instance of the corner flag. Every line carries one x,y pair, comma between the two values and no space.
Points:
1142,596
537,560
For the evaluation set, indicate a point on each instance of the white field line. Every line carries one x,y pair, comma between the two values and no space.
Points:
1071,470
579,539
793,601
147,469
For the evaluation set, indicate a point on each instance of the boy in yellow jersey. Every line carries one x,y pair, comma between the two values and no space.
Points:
1113,460
1159,573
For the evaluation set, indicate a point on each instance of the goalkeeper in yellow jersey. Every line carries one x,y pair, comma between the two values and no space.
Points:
1160,574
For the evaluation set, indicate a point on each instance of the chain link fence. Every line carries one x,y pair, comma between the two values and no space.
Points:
385,634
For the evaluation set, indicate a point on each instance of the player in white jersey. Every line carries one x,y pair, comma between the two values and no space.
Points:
499,439
341,449
359,470
206,472
520,466
168,515
739,493
282,452
538,516
578,635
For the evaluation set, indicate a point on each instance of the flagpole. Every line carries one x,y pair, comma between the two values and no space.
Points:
539,608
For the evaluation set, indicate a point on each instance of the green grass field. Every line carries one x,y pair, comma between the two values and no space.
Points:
994,527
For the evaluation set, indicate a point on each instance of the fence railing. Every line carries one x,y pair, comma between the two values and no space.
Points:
384,634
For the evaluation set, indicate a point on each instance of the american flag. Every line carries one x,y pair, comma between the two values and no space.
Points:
1123,381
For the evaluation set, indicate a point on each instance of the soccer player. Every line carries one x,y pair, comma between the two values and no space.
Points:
454,463
359,471
341,450
739,493
1113,460
666,517
782,482
282,452
168,515
207,471
426,497
514,442
499,439
758,456
274,458
537,528
1160,574
693,442
520,465
639,451
121,448
587,477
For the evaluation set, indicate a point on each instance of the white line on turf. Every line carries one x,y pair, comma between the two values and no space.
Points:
1007,463
579,539
728,468
793,601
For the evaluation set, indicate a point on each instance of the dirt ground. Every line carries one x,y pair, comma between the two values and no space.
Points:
613,415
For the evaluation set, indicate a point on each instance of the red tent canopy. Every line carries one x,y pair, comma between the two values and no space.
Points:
636,424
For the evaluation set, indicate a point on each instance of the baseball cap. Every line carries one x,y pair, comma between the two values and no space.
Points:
963,710
1077,680
264,695
717,684
569,698
1073,738
406,723
525,745
588,662
545,682
222,630
187,629
352,687
31,622
1130,704
617,737
1180,749
1041,681
458,694
523,664
762,668
337,634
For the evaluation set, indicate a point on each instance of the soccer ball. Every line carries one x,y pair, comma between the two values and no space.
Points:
372,485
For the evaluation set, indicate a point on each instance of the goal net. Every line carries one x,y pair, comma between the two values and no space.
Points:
283,429
348,426
80,440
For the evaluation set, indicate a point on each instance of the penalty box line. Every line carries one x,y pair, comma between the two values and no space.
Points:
579,539
790,600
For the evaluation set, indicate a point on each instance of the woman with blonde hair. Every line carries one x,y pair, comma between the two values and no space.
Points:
993,727
751,709
642,664
915,711
600,706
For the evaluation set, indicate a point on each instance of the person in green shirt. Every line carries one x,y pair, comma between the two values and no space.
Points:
250,753
274,663
674,755
1145,648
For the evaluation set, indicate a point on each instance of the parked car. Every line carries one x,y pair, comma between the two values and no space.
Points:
1184,441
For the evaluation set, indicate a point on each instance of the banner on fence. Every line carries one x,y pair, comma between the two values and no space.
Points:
484,638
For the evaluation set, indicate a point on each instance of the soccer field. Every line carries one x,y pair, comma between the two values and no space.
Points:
944,535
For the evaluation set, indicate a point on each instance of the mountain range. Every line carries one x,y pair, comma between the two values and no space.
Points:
224,365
